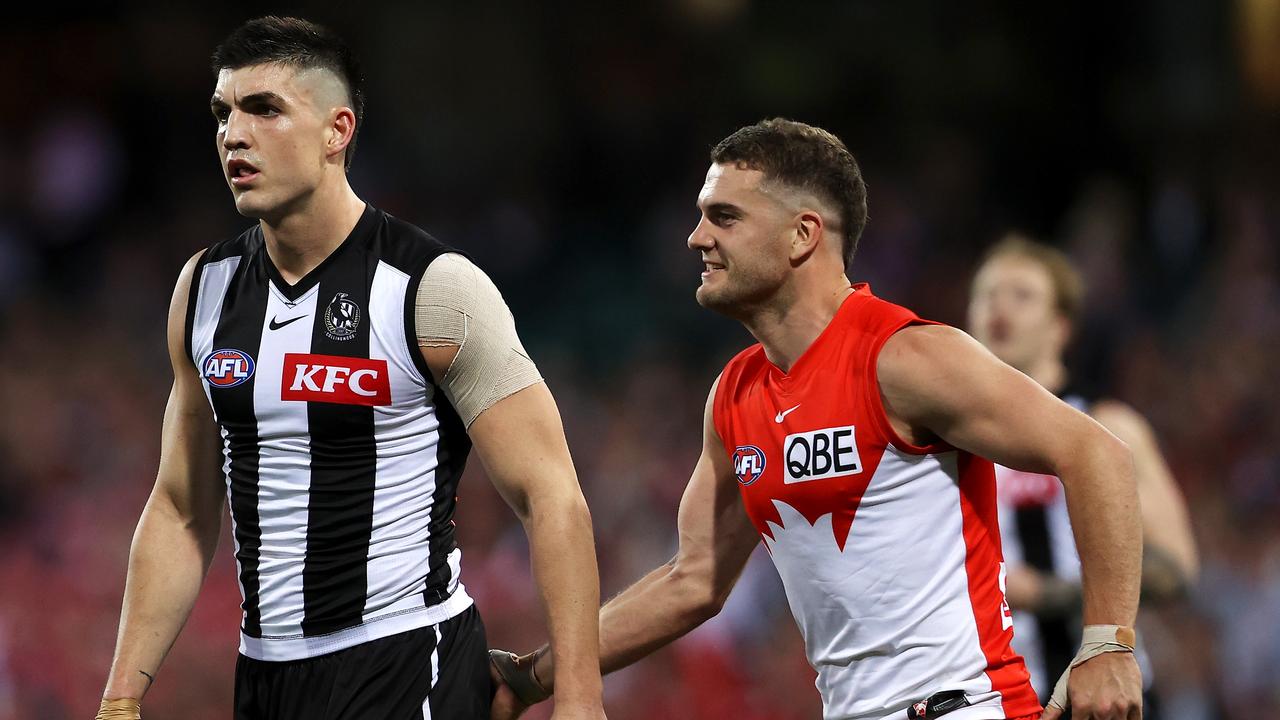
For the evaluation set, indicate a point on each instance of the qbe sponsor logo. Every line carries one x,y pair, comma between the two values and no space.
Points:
748,463
335,379
226,368
820,454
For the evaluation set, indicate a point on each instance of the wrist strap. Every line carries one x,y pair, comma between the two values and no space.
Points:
1095,640
120,709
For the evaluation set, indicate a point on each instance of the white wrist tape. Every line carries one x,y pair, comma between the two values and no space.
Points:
1095,640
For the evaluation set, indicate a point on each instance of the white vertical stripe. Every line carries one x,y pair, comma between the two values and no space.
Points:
435,673
284,466
406,434
214,280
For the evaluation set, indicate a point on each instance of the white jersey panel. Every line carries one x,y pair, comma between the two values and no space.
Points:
214,280
893,609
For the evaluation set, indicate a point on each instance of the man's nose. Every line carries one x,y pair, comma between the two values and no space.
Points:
236,136
701,237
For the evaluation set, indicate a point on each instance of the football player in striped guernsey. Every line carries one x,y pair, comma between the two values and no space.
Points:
348,362
1024,302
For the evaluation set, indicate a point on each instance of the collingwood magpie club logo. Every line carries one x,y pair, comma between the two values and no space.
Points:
341,318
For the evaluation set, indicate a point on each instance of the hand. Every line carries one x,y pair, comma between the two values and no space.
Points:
506,706
1106,687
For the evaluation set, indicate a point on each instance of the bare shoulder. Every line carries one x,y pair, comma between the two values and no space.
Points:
178,303
928,349
1122,420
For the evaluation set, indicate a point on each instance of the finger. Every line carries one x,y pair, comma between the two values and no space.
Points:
1051,713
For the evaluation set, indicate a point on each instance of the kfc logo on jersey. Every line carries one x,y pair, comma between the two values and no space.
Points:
820,454
748,463
226,368
335,379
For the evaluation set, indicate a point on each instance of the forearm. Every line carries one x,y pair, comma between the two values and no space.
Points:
1102,501
564,565
658,609
167,564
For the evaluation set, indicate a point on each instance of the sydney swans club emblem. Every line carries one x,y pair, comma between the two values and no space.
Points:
341,318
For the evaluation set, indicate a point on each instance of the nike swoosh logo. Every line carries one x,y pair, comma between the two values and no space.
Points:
277,325
785,413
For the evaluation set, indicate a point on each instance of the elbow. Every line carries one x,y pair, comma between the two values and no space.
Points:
701,596
567,505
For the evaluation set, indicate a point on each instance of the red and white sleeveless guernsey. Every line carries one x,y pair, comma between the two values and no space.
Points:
889,552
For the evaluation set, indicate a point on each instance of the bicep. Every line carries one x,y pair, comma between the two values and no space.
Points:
716,535
940,379
187,476
521,443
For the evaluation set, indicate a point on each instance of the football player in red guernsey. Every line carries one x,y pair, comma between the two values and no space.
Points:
857,440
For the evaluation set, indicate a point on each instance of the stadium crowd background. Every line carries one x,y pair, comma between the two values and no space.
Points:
563,144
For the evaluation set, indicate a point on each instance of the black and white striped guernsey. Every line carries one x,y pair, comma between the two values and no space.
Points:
340,454
1035,530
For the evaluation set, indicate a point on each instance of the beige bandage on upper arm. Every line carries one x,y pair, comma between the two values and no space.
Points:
458,305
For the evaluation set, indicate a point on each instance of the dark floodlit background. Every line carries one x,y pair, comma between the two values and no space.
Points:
563,145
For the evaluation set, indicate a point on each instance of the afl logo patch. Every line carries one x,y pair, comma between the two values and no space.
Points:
748,463
341,318
226,368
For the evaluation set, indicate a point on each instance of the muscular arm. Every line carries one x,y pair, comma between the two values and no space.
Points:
1169,560
178,531
937,382
469,343
716,539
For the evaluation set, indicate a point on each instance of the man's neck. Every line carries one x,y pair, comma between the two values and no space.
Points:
787,328
1049,372
301,239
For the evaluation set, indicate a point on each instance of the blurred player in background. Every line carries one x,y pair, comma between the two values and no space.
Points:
348,361
852,439
1025,300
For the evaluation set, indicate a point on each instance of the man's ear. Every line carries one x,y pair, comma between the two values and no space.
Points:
342,128
809,233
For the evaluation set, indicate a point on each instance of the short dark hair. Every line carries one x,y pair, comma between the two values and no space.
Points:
301,44
1068,284
807,158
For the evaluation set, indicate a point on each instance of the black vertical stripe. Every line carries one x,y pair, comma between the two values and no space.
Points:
451,459
1056,637
343,464
244,310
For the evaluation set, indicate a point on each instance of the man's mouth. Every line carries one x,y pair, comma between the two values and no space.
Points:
709,268
241,172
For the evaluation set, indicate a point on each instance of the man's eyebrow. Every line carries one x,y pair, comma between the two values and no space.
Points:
720,208
266,96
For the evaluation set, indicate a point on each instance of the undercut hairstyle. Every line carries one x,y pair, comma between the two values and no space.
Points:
300,44
1067,283
807,158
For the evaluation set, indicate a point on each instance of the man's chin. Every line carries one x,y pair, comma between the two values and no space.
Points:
716,300
250,204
